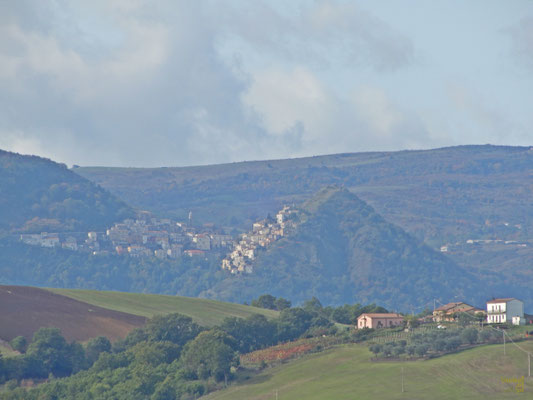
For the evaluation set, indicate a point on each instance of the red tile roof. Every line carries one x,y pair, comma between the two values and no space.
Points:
380,315
503,300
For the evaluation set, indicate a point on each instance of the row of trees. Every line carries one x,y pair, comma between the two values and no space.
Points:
436,342
346,314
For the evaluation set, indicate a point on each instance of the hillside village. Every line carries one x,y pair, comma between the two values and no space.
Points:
263,234
147,236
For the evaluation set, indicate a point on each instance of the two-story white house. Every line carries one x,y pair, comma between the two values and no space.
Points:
501,311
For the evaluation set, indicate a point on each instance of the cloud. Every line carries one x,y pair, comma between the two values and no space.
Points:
142,83
522,40
483,120
321,33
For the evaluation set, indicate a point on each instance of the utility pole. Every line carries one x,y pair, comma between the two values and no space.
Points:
504,353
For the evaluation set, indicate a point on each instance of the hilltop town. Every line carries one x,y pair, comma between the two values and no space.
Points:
147,236
263,233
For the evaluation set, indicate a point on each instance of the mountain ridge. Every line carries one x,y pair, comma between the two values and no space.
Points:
344,252
38,194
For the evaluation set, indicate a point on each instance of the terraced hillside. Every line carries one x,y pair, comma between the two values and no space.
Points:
347,373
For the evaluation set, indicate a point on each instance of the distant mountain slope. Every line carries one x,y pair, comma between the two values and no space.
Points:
23,310
437,195
344,252
440,196
37,194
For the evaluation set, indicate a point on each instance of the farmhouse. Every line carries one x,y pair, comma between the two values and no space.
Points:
500,311
379,320
448,311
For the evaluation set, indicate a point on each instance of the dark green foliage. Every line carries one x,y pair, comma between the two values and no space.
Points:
210,354
37,266
37,195
19,344
175,328
169,358
252,333
265,301
56,355
95,347
469,335
271,302
437,342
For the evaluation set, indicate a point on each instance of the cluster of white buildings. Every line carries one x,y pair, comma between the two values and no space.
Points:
142,237
263,233
450,247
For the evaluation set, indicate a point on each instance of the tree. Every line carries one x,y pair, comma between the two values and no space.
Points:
293,322
376,348
313,305
469,335
56,355
421,350
175,328
210,355
19,344
96,346
282,304
265,301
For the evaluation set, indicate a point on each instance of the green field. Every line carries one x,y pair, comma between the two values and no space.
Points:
347,373
202,311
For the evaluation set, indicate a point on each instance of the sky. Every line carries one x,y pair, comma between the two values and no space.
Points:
139,83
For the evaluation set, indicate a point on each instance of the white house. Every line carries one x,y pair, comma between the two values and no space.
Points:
500,311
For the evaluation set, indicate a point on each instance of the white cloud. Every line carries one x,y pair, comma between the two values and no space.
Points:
522,40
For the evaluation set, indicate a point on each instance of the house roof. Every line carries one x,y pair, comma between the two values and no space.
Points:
449,306
503,300
380,315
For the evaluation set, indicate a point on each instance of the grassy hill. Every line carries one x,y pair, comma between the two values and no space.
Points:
344,252
203,311
37,194
83,314
347,373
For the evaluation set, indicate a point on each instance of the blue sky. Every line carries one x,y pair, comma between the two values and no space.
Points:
172,83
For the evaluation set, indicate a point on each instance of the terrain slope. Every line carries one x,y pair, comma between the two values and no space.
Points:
345,252
37,194
347,373
203,311
23,310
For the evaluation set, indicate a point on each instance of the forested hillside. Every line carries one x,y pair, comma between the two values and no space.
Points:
344,252
437,195
440,196
37,194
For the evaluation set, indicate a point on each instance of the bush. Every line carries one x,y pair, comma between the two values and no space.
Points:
469,336
19,344
421,350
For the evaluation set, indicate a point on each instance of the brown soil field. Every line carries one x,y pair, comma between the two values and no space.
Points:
23,310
